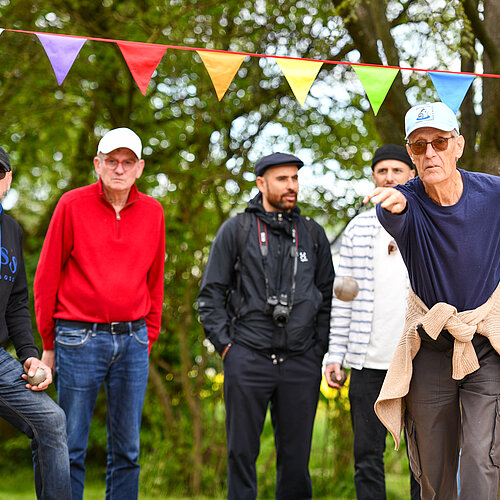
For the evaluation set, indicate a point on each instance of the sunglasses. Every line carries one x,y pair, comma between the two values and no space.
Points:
3,173
439,144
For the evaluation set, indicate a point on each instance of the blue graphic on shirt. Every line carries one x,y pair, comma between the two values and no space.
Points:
8,263
6,259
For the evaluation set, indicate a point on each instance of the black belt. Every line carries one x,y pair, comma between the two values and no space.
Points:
114,328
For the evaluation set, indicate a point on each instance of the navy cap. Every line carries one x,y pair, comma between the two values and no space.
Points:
275,160
391,152
4,160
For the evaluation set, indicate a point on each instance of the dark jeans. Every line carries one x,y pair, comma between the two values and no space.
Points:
369,436
443,415
37,416
251,382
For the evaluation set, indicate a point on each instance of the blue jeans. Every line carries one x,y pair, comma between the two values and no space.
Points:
85,359
37,415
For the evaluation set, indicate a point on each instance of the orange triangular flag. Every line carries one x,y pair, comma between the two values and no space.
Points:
142,59
221,67
300,75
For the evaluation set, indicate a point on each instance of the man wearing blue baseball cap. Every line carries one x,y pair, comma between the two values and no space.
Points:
444,378
265,305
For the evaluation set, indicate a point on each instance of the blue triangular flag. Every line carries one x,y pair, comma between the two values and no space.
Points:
451,87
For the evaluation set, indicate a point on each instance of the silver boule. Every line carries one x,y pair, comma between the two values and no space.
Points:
345,288
38,377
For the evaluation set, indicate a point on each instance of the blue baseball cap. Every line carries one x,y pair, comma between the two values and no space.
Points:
431,114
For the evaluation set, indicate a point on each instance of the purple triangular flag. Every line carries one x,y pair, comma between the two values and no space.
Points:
61,51
451,87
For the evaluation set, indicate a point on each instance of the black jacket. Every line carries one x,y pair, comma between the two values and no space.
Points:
218,299
15,322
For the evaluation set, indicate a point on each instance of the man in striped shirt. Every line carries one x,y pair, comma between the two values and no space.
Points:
365,331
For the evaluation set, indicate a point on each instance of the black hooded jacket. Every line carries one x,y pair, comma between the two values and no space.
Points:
218,299
15,322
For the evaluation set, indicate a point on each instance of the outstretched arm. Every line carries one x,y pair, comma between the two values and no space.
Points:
389,198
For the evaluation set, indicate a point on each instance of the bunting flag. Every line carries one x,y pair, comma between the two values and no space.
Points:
376,81
300,74
221,67
61,51
451,88
142,59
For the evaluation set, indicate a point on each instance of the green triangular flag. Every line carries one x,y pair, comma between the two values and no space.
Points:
376,81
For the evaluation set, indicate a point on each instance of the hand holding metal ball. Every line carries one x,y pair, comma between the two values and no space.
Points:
345,288
38,377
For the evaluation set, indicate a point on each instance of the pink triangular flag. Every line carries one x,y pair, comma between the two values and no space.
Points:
142,59
61,51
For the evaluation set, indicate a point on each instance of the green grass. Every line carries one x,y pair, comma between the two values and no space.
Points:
18,485
327,453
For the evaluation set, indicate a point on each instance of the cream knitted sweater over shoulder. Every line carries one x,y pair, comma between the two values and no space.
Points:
484,320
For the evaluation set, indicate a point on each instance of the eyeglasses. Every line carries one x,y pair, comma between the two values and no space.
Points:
3,173
439,144
111,163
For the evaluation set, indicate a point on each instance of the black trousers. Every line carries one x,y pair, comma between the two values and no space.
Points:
369,436
251,383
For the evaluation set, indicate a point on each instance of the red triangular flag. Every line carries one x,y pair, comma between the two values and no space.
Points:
142,59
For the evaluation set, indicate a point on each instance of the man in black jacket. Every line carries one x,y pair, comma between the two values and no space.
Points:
26,406
265,306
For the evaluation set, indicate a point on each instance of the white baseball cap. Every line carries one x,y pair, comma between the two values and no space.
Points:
431,114
120,138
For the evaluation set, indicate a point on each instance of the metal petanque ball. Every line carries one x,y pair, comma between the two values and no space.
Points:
38,377
346,288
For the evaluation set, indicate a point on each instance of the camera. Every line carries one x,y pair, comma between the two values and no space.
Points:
278,309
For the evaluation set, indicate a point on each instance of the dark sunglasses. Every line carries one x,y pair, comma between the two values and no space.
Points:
439,144
3,173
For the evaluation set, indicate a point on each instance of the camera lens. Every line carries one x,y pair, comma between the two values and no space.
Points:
281,315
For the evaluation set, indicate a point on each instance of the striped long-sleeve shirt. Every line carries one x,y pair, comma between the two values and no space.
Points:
351,322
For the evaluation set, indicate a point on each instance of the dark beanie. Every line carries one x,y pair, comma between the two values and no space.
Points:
4,160
275,160
392,152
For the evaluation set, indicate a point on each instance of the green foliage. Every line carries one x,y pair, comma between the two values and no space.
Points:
199,155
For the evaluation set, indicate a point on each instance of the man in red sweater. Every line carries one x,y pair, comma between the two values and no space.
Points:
98,300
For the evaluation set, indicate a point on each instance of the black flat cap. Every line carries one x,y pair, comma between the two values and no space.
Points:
392,152
275,160
4,160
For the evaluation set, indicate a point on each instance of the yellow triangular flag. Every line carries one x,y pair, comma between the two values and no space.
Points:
300,75
376,81
221,67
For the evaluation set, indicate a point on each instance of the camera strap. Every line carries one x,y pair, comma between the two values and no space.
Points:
264,251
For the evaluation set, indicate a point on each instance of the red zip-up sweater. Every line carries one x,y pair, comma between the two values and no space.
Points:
99,266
